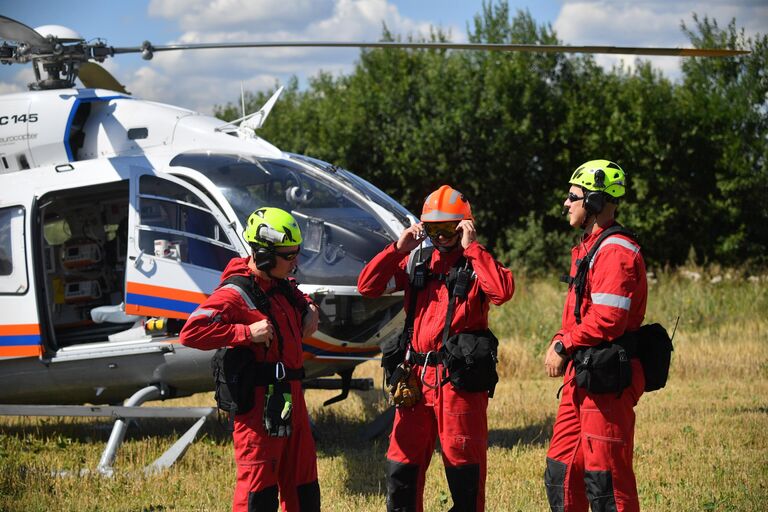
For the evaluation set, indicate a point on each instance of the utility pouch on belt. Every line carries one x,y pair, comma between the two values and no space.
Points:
654,349
604,368
404,386
470,360
393,353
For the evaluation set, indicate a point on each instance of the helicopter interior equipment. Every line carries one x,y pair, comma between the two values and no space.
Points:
117,216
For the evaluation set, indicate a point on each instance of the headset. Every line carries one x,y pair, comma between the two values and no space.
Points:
594,200
264,256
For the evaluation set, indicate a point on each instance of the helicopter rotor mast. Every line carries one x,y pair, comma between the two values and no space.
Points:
62,62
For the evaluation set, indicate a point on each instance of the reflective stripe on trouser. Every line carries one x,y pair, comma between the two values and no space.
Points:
459,420
265,463
589,460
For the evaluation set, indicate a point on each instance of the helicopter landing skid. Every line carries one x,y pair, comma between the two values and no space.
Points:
131,409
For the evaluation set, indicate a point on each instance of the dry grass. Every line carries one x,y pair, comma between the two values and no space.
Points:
701,441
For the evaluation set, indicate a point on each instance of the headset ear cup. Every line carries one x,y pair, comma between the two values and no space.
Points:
594,202
264,258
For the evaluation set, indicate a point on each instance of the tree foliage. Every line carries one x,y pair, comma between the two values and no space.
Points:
507,129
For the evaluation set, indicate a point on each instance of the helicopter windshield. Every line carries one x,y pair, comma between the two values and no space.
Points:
364,187
340,231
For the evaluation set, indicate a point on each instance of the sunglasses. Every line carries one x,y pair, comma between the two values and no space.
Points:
288,256
444,229
573,197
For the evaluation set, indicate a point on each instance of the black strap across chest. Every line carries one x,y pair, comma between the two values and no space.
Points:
579,281
457,280
260,299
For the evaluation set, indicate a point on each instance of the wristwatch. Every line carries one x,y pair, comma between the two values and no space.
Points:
560,349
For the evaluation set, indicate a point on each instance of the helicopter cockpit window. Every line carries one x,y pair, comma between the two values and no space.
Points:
340,229
13,271
174,223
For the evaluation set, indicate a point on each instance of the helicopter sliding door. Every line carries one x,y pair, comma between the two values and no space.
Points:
19,328
180,242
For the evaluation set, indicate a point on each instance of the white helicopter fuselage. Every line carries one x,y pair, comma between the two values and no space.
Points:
117,216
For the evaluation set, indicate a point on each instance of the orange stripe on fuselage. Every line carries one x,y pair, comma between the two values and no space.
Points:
21,351
166,293
19,329
133,309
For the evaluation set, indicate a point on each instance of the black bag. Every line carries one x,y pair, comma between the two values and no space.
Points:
604,368
654,348
392,354
470,360
234,375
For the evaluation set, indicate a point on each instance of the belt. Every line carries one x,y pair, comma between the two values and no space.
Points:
426,359
269,373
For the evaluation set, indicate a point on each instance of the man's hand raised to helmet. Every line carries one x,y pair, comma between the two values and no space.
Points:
468,233
410,238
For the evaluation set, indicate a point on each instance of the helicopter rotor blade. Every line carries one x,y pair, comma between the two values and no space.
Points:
147,49
95,76
13,30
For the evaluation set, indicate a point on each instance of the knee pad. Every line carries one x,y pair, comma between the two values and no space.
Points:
554,480
265,499
464,483
401,486
309,497
600,490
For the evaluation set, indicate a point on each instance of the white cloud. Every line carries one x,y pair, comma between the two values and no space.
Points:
214,76
650,23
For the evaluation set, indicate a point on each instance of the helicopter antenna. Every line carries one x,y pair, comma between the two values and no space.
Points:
242,99
254,121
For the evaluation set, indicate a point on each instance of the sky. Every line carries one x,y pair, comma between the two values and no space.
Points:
198,80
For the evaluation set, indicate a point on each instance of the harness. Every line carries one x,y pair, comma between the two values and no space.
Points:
235,370
255,298
605,367
579,281
457,281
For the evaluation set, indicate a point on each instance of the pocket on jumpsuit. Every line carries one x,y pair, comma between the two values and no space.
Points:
465,425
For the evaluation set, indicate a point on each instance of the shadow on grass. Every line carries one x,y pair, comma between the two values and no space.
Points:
537,434
64,430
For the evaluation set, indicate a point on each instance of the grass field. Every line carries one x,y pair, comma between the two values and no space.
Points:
701,442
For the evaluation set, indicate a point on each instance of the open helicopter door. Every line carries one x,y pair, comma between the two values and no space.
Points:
19,324
178,245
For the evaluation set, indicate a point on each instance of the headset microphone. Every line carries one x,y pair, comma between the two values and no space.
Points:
565,210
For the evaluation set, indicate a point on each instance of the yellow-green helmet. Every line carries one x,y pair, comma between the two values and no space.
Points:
600,176
272,227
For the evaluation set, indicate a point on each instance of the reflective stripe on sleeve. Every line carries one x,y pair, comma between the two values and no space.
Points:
610,299
246,298
202,312
617,241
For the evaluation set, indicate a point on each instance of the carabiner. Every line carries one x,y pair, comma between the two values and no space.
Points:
424,372
279,368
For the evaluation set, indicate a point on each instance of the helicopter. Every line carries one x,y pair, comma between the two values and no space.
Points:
117,216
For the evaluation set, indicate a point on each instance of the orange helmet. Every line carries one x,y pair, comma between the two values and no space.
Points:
445,204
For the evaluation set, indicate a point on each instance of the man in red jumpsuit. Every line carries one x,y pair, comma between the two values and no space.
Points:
267,460
457,417
590,455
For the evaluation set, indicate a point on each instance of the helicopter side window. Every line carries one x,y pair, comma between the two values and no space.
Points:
175,224
13,272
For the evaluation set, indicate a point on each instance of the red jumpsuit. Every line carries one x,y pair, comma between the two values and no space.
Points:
590,455
458,418
263,463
